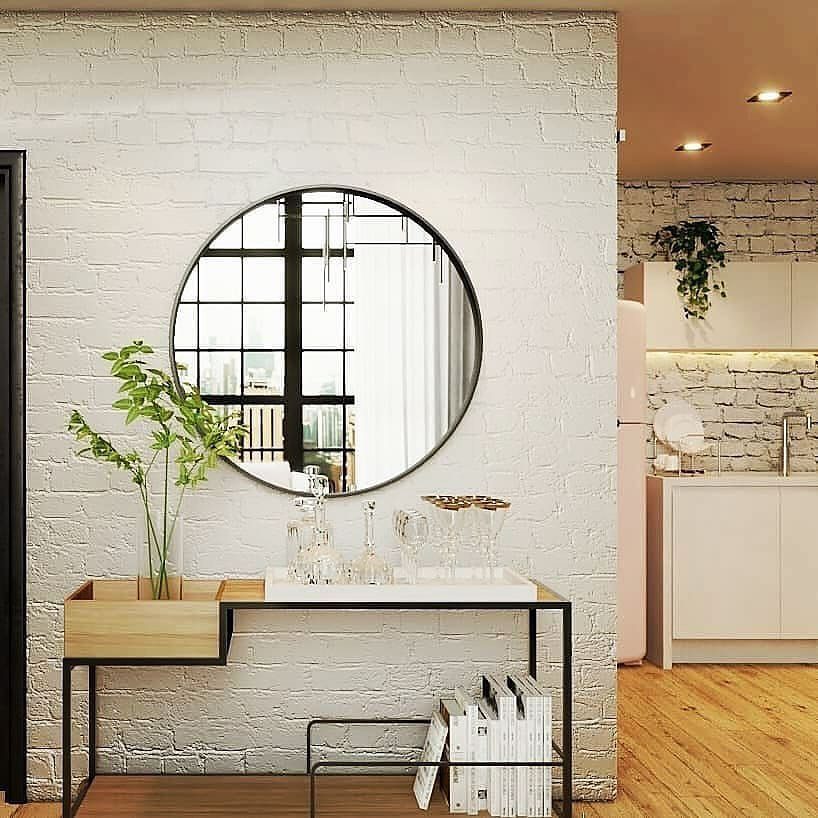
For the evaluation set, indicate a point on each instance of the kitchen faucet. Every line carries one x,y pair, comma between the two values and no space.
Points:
785,437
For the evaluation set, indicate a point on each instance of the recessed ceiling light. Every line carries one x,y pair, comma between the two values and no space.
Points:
770,96
692,147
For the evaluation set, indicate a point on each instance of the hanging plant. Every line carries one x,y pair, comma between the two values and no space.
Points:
698,252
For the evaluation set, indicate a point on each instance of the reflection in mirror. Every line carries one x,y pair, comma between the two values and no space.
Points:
341,327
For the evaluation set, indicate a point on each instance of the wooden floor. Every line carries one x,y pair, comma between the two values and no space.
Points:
698,741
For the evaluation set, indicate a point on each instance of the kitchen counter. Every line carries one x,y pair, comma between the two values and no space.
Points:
732,568
740,478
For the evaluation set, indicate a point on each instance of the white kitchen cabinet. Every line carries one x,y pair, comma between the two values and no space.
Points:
805,305
726,563
732,568
757,313
799,563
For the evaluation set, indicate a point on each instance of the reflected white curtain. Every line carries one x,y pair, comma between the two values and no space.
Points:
401,375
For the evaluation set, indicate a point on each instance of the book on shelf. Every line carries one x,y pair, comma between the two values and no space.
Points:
537,702
477,750
454,781
497,691
432,751
494,796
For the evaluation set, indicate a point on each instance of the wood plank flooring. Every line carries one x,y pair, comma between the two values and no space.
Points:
700,741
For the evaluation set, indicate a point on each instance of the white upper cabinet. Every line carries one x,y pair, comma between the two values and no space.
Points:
757,313
805,305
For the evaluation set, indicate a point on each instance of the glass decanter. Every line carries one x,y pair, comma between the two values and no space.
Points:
300,537
324,563
369,568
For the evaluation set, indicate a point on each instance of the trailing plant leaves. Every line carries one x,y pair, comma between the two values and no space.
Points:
697,251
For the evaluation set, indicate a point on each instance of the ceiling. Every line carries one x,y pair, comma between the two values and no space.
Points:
686,68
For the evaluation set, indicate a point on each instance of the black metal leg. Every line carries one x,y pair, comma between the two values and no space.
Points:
92,722
567,714
532,643
66,739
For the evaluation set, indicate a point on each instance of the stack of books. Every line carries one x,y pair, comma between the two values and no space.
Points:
511,721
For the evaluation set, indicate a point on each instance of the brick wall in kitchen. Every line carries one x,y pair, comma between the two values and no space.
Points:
741,396
144,134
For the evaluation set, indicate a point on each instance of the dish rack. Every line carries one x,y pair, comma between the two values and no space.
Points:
692,470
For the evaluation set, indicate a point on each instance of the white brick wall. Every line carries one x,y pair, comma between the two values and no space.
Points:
146,132
742,397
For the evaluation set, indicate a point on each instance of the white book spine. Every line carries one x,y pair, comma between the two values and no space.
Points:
471,776
533,772
522,772
511,717
495,784
547,704
482,773
458,751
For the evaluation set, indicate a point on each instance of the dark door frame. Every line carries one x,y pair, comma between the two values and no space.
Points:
12,479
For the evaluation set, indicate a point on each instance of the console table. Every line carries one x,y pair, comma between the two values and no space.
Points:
106,625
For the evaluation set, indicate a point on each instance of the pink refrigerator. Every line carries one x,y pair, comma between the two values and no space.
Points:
631,498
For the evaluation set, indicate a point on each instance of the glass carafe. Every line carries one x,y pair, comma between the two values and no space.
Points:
300,536
370,568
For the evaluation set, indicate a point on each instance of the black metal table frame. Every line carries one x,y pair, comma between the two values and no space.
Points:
227,610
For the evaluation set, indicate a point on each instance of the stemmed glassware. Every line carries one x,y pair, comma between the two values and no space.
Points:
412,532
491,516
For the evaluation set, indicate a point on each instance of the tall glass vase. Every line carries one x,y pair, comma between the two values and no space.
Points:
160,551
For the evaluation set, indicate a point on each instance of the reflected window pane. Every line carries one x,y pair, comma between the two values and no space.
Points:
329,464
264,279
184,334
349,329
190,373
314,225
350,461
312,280
349,386
220,326
323,427
229,238
264,326
219,279
322,327
219,373
265,425
349,295
322,196
321,373
191,288
263,373
350,430
263,229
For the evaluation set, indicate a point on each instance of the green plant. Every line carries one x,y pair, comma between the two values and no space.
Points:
697,250
186,430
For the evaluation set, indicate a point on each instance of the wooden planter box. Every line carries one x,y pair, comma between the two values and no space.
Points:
105,619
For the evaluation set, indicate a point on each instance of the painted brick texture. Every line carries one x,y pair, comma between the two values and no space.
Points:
144,133
741,396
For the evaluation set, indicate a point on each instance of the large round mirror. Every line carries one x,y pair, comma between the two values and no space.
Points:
341,326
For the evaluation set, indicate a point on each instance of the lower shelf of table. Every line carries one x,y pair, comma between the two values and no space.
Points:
254,796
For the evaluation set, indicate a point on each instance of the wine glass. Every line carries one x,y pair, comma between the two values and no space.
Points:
415,535
493,515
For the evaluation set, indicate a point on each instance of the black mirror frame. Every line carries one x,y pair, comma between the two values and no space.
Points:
454,259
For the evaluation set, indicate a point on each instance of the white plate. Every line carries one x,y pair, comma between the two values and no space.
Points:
664,413
468,586
683,428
